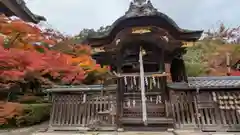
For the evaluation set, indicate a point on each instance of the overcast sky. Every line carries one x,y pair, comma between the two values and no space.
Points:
70,16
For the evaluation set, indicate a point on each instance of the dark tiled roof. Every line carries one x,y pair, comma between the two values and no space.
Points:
227,82
81,88
18,7
214,82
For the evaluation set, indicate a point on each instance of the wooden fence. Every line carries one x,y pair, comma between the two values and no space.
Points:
207,110
96,107
83,108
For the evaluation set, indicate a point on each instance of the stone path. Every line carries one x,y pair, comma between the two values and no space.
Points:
185,132
190,132
35,131
136,133
106,133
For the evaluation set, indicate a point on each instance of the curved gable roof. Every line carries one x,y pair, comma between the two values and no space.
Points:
19,8
142,13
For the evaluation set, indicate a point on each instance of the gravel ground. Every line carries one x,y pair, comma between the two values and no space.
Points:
25,131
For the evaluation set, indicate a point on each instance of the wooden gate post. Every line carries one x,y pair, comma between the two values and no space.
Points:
143,95
119,96
228,63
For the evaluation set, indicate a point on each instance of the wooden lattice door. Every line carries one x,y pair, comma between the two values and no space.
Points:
143,97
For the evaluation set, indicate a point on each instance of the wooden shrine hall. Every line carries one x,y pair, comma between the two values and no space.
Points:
158,39
142,25
138,47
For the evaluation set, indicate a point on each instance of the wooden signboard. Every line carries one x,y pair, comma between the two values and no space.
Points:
141,30
187,44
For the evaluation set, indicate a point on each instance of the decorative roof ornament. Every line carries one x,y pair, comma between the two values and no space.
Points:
141,8
139,3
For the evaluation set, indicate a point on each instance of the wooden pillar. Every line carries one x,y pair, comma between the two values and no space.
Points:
119,96
162,60
119,93
228,63
167,70
164,78
184,73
